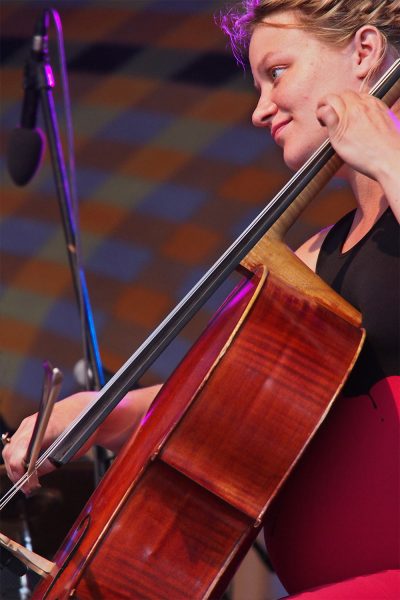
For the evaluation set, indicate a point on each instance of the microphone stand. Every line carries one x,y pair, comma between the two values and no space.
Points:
44,79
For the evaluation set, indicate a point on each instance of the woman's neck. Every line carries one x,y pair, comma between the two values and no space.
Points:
371,201
371,204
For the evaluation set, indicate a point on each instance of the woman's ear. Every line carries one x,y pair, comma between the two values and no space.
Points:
368,50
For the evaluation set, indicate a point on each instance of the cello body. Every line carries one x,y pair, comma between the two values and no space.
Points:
186,496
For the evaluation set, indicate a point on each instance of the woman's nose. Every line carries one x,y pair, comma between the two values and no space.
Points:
263,112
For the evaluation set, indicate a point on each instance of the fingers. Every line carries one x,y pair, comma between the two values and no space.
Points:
15,451
332,112
335,111
14,454
328,111
362,130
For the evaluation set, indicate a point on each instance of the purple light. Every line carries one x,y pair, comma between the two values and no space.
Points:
395,120
49,76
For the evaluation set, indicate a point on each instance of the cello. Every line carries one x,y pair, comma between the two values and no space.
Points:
203,455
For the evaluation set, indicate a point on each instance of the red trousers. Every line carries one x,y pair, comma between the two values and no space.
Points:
379,586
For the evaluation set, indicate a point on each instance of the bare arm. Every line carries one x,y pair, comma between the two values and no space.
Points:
125,418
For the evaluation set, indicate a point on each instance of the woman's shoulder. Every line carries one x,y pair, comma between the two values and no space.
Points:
309,251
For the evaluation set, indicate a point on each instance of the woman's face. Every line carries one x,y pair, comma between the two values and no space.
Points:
292,71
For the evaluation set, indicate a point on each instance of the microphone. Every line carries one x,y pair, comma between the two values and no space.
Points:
26,143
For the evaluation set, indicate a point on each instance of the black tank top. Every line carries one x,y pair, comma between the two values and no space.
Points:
368,276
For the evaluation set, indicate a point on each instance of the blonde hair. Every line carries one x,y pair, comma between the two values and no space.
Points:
334,21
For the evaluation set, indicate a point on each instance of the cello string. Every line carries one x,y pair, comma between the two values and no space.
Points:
14,490
191,293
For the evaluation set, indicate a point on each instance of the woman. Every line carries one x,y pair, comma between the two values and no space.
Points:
334,523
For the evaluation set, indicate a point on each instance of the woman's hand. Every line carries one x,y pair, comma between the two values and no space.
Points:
363,131
15,451
112,434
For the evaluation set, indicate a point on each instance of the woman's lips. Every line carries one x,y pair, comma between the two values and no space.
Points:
278,128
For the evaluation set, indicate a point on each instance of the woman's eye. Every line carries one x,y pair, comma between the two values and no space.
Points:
276,72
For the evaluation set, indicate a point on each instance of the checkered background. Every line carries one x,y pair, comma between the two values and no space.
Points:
169,171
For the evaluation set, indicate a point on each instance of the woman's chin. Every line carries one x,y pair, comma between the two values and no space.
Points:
295,160
294,163
299,142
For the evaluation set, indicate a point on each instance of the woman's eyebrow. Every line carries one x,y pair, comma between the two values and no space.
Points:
268,56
